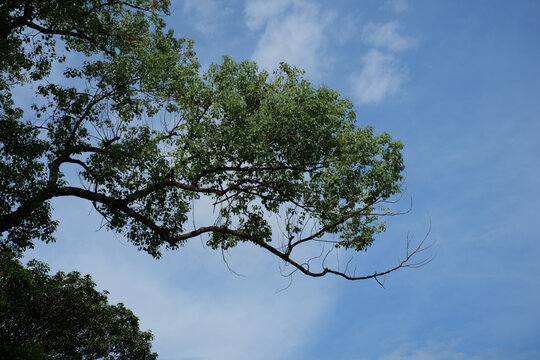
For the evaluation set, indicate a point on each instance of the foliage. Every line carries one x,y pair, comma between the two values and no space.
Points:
151,135
63,316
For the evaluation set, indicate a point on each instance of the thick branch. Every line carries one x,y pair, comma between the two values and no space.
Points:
16,217
115,203
75,34
18,22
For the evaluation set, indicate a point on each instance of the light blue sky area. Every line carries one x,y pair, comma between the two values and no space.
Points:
459,83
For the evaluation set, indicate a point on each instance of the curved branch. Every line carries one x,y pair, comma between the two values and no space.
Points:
17,216
75,34
115,203
122,205
405,263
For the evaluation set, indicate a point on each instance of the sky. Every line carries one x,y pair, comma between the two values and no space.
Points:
459,83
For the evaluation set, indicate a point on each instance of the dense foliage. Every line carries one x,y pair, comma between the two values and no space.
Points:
63,316
151,135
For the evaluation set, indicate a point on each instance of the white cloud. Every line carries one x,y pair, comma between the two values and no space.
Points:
293,31
386,36
380,77
258,12
398,6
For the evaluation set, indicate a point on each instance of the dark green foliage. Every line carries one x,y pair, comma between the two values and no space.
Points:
63,316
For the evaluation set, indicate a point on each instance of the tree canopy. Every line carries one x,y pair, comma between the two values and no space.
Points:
63,316
151,135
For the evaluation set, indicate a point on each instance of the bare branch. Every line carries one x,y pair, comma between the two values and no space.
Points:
332,225
227,263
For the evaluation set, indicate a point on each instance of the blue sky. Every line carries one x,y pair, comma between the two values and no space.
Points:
459,83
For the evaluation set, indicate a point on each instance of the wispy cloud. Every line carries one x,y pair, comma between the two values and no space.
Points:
258,13
292,31
386,36
398,6
380,77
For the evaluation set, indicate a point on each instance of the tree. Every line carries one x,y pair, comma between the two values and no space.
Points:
63,316
151,135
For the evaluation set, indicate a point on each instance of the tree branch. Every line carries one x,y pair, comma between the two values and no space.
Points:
169,183
75,34
332,225
286,258
258,168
